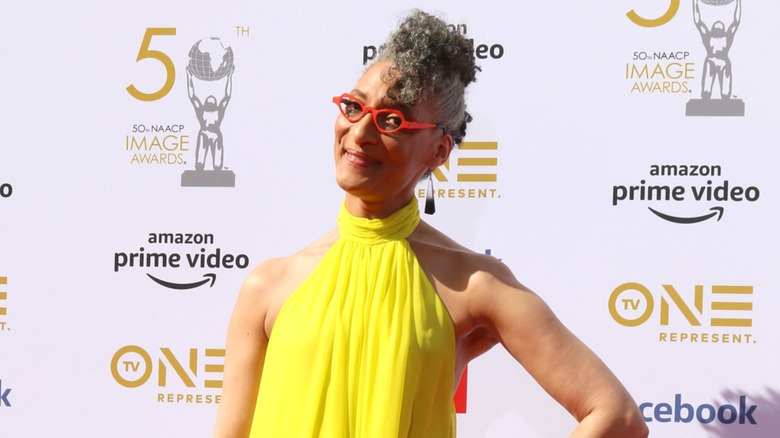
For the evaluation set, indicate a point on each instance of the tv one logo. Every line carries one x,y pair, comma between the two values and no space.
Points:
471,176
478,163
633,304
3,308
133,366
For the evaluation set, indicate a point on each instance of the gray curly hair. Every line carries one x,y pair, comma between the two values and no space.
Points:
431,60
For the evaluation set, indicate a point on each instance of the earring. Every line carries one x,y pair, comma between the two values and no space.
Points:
430,208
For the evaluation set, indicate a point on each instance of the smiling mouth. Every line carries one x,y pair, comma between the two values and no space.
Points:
359,159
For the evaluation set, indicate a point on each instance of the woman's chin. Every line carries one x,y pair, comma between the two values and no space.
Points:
350,183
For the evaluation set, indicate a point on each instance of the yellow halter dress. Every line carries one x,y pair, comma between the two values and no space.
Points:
364,348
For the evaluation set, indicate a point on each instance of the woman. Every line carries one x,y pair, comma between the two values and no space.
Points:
365,332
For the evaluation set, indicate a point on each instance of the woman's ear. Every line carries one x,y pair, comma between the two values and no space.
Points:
442,151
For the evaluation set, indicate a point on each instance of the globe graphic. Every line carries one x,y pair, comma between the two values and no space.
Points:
210,60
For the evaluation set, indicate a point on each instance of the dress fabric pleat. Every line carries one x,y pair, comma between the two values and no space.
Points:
364,347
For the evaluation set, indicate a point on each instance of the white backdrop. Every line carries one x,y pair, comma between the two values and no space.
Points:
92,346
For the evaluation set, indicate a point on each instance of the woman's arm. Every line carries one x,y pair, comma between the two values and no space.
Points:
567,369
244,356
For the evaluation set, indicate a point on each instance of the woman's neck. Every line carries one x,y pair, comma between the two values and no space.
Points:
379,209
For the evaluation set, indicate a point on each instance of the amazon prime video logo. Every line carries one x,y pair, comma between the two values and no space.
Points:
180,261
685,194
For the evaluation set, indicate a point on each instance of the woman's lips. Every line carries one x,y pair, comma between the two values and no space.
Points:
359,159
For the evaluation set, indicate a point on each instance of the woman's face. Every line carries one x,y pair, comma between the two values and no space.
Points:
385,168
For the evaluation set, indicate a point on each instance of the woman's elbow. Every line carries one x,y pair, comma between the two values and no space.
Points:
634,425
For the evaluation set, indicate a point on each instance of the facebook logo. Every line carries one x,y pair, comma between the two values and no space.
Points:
4,395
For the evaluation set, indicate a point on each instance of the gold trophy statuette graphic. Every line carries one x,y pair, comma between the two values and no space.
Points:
209,74
716,79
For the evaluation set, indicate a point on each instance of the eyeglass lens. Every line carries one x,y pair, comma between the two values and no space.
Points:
385,119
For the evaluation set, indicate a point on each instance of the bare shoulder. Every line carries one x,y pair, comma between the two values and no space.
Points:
270,283
261,296
476,288
458,268
271,275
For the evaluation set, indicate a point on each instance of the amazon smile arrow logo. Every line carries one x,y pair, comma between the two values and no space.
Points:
716,211
185,286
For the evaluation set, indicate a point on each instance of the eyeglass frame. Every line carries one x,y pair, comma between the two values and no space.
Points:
405,124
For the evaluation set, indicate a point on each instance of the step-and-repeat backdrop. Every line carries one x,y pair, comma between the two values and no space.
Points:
621,161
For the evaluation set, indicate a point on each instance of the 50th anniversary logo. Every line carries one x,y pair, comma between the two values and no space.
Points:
659,70
193,141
